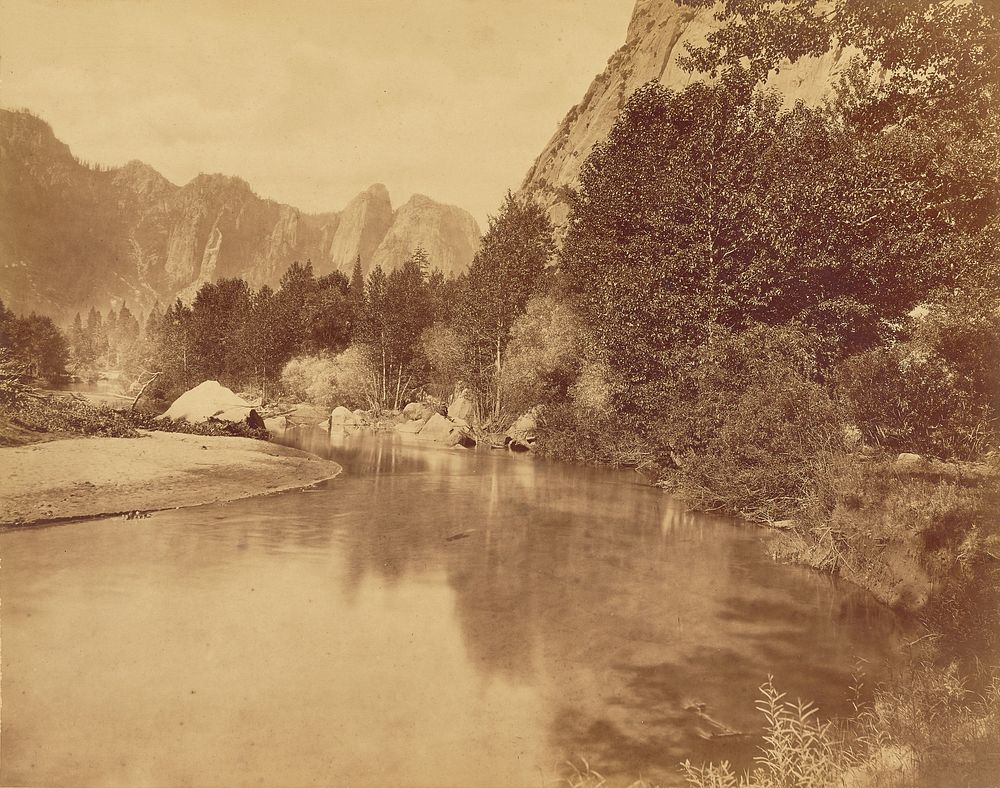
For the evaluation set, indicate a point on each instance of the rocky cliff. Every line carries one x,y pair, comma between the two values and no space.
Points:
73,235
449,235
656,37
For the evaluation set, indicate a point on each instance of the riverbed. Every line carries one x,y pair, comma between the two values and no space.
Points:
430,617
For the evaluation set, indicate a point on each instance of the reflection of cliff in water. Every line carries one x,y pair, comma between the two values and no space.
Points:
609,598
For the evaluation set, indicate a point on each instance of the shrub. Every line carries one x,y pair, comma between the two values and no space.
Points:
446,356
909,398
937,392
326,380
544,355
747,424
798,750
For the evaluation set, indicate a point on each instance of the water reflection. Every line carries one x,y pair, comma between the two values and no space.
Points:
429,617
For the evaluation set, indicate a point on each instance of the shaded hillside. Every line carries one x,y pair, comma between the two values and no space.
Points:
74,235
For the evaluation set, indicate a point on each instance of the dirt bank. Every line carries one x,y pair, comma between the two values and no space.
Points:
84,477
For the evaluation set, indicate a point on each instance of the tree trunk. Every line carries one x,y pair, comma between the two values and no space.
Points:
496,402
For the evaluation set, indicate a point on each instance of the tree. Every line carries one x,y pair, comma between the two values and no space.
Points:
516,248
329,315
40,346
358,285
219,315
408,312
712,207
913,54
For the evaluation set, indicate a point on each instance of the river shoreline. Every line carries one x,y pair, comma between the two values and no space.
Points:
91,477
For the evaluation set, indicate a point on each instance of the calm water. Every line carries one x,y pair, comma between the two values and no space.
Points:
338,636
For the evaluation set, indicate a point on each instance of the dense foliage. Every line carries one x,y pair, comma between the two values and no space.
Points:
33,346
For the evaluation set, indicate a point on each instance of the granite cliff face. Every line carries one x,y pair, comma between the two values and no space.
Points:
656,37
74,236
362,226
449,235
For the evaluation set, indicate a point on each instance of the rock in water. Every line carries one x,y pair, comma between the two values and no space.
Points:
441,430
522,432
342,417
208,400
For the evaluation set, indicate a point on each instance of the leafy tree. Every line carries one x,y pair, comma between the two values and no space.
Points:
516,248
219,314
913,54
375,327
408,312
39,346
329,315
713,207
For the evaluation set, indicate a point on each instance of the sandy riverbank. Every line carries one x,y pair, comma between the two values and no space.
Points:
86,477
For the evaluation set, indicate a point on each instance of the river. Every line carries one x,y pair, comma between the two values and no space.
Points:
430,617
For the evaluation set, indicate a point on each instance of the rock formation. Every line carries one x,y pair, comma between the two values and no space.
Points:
449,235
657,35
75,236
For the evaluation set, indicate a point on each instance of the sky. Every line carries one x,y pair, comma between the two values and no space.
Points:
312,101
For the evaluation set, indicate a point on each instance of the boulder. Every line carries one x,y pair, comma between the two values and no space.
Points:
909,460
342,417
461,407
208,400
497,440
523,431
307,415
447,433
410,427
418,411
277,424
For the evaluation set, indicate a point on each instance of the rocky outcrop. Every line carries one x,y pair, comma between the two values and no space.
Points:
75,236
449,235
657,35
341,417
362,226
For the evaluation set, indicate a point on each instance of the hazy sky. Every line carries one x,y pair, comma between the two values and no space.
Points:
312,101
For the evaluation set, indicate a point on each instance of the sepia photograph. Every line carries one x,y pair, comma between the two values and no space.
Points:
500,393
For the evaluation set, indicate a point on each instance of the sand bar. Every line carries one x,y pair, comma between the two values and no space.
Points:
87,477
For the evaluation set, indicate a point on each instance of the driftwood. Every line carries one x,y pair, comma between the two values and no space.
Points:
146,385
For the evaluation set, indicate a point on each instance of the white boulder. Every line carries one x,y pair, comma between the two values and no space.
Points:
208,400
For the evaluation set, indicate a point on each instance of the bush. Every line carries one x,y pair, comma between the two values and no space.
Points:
746,423
937,392
331,380
909,398
11,373
544,355
446,355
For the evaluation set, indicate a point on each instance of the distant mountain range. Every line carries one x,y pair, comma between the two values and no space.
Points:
657,35
74,236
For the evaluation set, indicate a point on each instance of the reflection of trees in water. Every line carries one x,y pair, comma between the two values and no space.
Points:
615,603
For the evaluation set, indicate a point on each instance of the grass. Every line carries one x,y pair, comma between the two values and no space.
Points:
926,728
